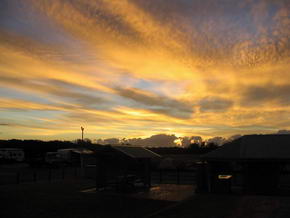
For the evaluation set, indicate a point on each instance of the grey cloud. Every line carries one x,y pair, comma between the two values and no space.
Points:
67,90
283,132
187,140
196,139
93,14
214,104
30,125
110,141
206,32
164,140
111,23
58,89
217,140
160,140
239,33
18,23
268,93
58,47
88,118
158,104
4,124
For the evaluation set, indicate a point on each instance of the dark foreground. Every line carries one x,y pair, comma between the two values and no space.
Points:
230,206
61,199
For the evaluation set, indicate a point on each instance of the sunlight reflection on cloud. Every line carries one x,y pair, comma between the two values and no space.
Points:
120,64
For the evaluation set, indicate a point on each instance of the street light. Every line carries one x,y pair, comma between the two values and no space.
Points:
82,128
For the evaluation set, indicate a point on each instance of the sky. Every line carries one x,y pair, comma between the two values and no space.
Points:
136,68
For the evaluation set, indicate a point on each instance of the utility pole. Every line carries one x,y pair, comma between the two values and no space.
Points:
82,128
82,159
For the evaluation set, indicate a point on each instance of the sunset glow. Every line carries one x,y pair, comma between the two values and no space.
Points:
136,68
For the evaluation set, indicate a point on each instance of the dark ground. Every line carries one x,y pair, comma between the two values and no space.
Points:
61,199
230,206
64,198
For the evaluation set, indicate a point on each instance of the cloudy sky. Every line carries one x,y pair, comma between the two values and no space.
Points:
136,68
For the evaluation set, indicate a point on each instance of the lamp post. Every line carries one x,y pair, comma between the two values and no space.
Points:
82,158
82,128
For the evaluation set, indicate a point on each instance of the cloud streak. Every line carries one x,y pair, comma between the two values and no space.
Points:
134,68
159,104
268,93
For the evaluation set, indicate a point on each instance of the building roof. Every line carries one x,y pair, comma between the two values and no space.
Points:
136,152
254,147
76,150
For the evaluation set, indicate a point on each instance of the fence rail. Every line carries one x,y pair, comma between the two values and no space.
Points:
173,176
28,175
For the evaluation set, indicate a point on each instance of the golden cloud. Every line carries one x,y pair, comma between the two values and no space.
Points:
206,67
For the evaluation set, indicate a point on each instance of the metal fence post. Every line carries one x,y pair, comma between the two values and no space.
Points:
18,178
34,176
178,176
49,175
62,172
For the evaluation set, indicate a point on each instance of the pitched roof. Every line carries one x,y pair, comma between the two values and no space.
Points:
254,147
136,152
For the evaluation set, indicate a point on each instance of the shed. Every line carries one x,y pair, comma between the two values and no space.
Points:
115,163
257,160
136,152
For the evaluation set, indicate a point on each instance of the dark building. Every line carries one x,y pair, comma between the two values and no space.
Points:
252,164
124,166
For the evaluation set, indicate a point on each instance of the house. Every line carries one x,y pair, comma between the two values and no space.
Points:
254,163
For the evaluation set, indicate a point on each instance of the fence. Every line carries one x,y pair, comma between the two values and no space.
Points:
185,177
27,175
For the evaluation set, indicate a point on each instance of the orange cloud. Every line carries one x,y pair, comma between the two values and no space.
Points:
135,68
